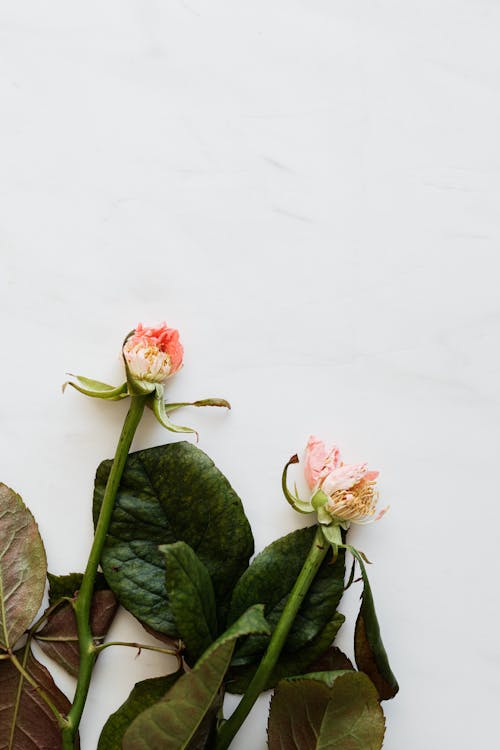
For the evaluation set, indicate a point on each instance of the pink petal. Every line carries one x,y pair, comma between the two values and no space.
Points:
319,460
344,477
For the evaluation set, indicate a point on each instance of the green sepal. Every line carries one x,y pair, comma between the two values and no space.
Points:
319,499
350,580
332,535
299,505
140,387
161,415
96,389
221,402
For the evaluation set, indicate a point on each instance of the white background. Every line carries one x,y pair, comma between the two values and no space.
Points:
308,190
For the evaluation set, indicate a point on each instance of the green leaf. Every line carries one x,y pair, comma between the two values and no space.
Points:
338,712
173,722
168,494
191,597
23,568
288,664
59,636
143,695
68,585
371,656
27,723
269,580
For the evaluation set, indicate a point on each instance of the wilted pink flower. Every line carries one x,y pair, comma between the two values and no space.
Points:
153,353
349,488
319,460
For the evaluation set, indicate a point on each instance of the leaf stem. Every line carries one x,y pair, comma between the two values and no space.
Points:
83,601
45,616
138,646
306,576
34,684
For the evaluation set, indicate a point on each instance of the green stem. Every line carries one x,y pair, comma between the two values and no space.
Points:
260,679
88,653
138,646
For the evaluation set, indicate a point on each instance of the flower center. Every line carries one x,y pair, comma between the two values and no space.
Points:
354,504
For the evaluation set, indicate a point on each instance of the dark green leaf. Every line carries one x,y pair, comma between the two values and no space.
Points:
173,722
333,659
59,637
191,598
371,656
335,712
26,722
269,580
288,664
23,568
168,494
143,695
68,585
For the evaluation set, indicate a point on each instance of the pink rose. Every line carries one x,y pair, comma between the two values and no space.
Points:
345,491
153,353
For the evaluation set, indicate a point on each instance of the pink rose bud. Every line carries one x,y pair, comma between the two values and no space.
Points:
153,353
345,493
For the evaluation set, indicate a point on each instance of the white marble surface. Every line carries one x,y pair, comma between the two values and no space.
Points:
309,190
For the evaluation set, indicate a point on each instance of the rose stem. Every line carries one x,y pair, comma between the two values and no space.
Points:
88,652
257,685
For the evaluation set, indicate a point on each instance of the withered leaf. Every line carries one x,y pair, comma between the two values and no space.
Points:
59,638
26,721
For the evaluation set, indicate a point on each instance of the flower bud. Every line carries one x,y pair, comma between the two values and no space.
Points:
153,353
342,493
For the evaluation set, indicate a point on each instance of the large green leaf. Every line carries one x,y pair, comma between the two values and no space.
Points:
331,711
23,568
191,598
173,722
269,580
288,663
26,722
168,494
369,650
143,695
